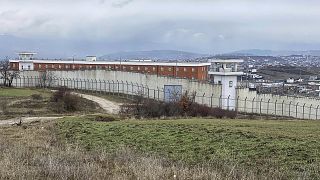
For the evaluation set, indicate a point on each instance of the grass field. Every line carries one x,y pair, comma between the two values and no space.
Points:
278,148
14,92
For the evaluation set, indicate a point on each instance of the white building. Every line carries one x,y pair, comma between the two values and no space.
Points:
225,72
25,60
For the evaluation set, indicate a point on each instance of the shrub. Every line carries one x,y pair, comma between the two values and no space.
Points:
37,97
4,106
103,118
144,108
63,101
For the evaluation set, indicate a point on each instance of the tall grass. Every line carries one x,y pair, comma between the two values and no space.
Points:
34,152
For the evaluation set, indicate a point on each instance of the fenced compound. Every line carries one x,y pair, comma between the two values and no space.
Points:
247,105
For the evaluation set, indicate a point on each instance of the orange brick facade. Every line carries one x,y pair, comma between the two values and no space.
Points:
197,72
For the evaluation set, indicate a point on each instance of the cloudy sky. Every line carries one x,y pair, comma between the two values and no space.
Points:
80,27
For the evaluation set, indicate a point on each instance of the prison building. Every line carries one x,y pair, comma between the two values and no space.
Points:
196,71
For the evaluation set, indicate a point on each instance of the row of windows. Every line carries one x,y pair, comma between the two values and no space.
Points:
117,67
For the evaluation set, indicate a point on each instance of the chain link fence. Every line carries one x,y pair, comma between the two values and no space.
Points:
129,90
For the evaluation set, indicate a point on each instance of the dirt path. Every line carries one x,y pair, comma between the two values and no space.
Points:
26,120
109,106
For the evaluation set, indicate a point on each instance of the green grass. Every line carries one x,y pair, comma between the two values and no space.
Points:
287,146
15,92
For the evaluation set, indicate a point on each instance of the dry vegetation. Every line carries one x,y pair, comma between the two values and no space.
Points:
35,152
39,102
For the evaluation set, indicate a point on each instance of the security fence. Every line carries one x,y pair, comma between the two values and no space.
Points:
278,107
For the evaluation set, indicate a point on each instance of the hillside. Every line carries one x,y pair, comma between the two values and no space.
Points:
153,55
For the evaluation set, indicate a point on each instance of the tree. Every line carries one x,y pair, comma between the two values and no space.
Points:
7,74
46,79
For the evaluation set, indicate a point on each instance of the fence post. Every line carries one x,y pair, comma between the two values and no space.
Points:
310,111
245,106
290,108
220,102
109,87
112,87
148,92
127,89
228,102
96,87
317,112
158,93
268,107
253,103
261,106
282,107
297,110
202,101
118,86
237,104
275,108
100,89
211,100
303,110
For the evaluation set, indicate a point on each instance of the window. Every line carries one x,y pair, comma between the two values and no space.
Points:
193,70
169,69
46,66
131,68
29,67
73,67
161,68
219,82
184,69
116,67
67,66
230,83
146,68
13,65
59,66
177,69
39,66
154,68
138,68
22,67
52,66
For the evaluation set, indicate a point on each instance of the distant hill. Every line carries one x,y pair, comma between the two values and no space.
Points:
260,52
153,55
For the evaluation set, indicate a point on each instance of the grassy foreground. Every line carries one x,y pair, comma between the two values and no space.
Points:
15,92
273,149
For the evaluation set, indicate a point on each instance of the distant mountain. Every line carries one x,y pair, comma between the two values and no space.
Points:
260,52
153,55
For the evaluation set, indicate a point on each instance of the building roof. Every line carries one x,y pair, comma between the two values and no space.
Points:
116,63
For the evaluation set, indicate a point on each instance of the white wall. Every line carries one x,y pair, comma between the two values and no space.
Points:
208,94
299,107
228,93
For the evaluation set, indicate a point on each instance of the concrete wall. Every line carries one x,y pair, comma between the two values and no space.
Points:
298,107
205,93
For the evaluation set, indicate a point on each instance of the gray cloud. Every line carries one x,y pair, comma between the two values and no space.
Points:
197,25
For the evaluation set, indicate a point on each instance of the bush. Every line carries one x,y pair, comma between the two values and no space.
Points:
63,101
103,118
4,106
144,108
37,97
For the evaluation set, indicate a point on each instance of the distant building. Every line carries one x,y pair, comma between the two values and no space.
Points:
196,71
290,80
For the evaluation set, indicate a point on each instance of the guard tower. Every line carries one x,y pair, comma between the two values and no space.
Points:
26,55
225,72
